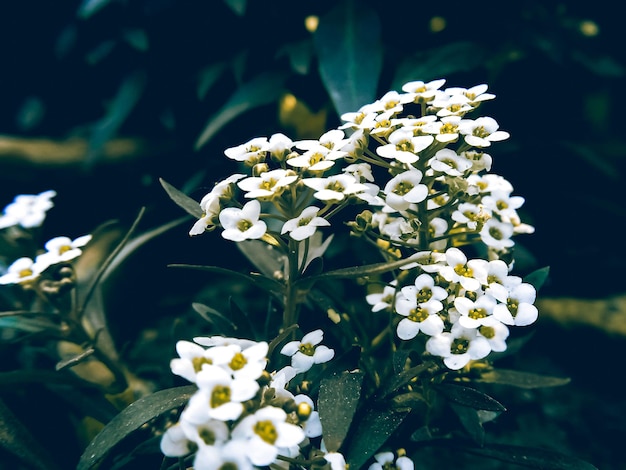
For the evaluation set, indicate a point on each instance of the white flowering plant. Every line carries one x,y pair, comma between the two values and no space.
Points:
357,366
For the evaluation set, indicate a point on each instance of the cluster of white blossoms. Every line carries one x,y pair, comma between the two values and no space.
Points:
241,416
29,211
417,160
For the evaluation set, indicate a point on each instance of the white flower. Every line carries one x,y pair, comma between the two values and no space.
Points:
423,92
458,347
502,203
231,455
404,146
470,274
219,396
316,158
446,130
63,249
518,309
223,341
174,442
267,433
470,214
268,184
305,225
496,234
336,460
22,271
495,332
251,152
385,460
392,101
334,188
382,300
481,132
248,363
210,204
474,312
307,352
405,189
422,317
448,162
451,105
313,425
27,210
332,140
279,146
242,224
475,94
361,171
191,361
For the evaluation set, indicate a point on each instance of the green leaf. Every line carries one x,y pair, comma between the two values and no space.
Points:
130,420
440,62
361,271
299,54
405,377
538,278
237,6
257,279
208,77
530,457
214,317
72,361
370,433
191,206
520,379
471,422
350,56
336,404
261,90
280,338
469,397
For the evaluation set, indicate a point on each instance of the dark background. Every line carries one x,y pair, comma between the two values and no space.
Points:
96,72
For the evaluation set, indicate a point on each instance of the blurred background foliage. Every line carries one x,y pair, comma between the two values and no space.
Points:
101,98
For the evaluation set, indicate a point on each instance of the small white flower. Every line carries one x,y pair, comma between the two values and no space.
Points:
305,225
387,460
451,105
403,146
474,312
382,300
518,309
22,271
423,317
231,455
458,347
470,214
313,425
268,184
307,352
251,152
242,224
470,274
336,460
174,442
475,94
192,358
496,234
27,210
334,188
495,332
392,101
446,130
219,396
63,249
248,363
448,162
224,341
481,132
405,189
267,433
423,92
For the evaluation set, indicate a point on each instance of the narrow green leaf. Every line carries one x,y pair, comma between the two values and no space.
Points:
530,457
130,420
207,78
258,279
469,397
405,377
337,401
191,206
361,271
213,316
538,278
350,56
280,338
370,433
262,90
521,379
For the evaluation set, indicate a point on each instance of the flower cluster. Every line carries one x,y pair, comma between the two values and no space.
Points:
418,161
241,415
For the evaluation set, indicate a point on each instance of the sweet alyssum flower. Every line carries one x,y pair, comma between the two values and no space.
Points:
387,460
242,224
63,249
307,352
22,271
305,225
27,210
458,346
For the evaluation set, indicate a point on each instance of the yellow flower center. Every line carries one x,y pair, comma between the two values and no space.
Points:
424,295
64,248
238,361
477,313
307,349
244,225
220,395
459,346
402,188
266,431
488,332
207,435
418,315
513,305
199,361
25,272
449,128
463,270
